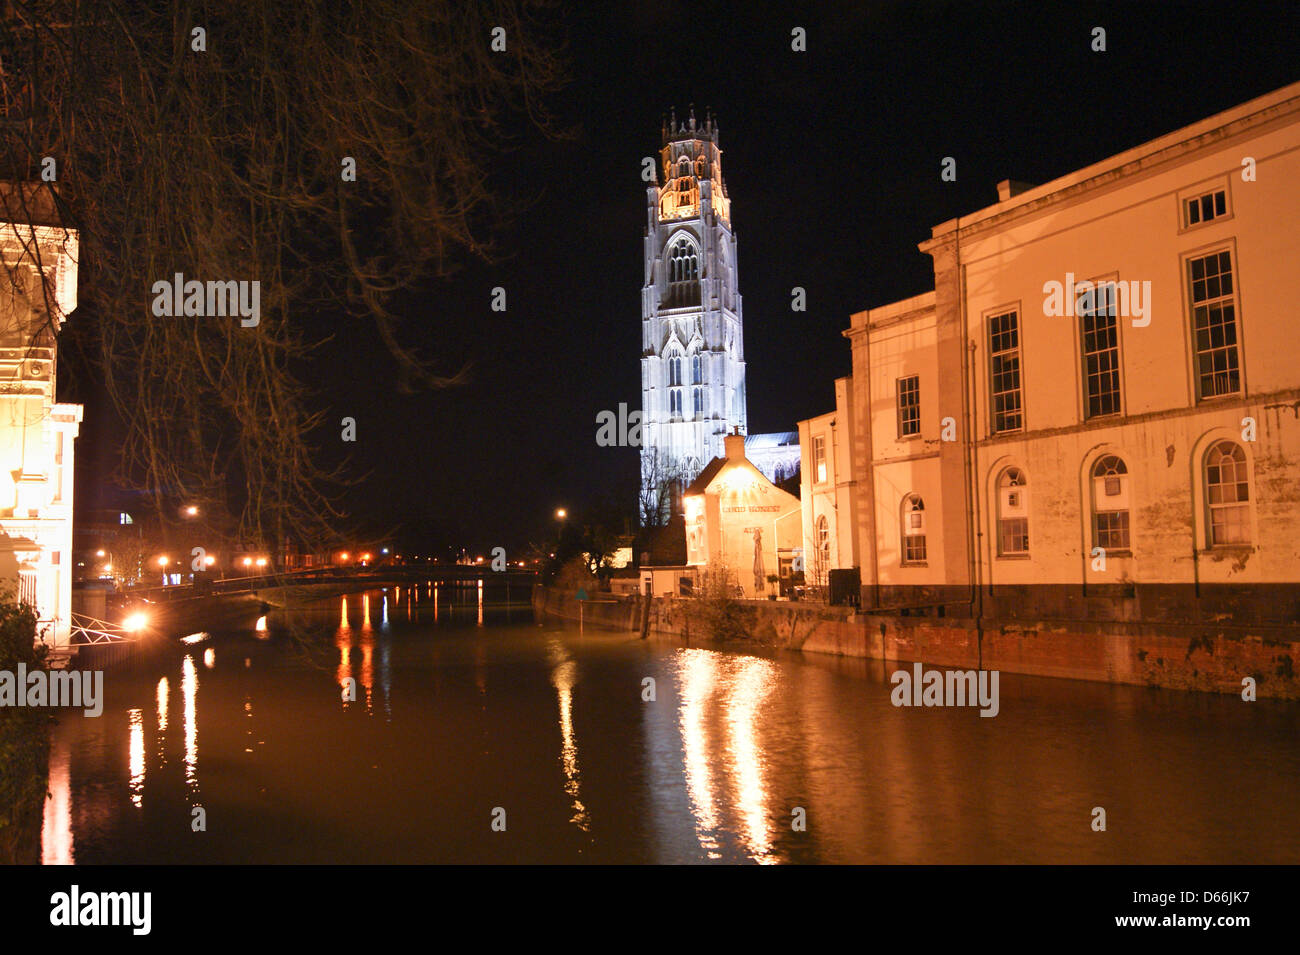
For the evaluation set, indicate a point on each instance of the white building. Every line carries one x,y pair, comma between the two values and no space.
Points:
692,320
827,489
38,289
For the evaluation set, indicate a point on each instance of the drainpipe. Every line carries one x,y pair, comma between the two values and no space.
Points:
974,525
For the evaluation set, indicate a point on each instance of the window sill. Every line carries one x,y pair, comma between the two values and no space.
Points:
1013,557
1226,550
914,563
1115,553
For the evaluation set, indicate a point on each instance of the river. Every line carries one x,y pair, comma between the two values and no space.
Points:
483,737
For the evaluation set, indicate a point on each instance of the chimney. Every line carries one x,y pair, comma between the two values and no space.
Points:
1012,187
735,446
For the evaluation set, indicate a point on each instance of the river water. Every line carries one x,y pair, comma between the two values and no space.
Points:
482,737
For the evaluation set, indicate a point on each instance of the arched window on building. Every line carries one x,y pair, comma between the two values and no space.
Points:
696,370
1110,504
913,530
698,402
701,168
1227,494
675,402
1013,514
683,274
823,552
674,371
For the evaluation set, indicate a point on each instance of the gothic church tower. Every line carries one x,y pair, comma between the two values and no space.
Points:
692,329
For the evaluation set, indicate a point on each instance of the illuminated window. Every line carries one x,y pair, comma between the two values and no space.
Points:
1099,325
675,402
819,458
1214,323
909,406
697,402
1227,493
1004,372
1013,514
913,529
823,546
696,369
1110,528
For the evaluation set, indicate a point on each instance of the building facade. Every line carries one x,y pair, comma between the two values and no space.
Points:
692,321
739,523
1095,410
828,491
38,289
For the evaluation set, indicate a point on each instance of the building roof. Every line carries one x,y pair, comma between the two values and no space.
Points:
701,483
772,439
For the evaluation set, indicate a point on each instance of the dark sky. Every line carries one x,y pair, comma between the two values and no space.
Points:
831,159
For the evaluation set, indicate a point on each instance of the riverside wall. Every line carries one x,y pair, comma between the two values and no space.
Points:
1213,658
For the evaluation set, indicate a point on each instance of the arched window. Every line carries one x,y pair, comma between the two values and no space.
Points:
1227,493
1013,514
674,371
696,377
675,402
683,167
683,274
698,402
823,548
913,530
1110,504
701,168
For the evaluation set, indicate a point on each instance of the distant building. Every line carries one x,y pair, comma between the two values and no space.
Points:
739,522
1094,412
38,289
692,322
828,491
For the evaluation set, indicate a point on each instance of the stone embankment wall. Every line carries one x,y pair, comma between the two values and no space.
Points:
1211,658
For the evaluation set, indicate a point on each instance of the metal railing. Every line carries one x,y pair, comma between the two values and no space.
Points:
87,631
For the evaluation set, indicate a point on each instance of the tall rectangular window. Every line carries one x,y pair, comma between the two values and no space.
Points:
1004,372
1214,324
1100,327
819,458
909,406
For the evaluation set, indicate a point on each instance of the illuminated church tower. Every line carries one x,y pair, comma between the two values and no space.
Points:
692,327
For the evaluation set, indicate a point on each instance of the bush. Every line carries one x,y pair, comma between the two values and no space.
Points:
724,617
24,742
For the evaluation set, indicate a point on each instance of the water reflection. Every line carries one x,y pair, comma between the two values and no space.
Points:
56,830
190,696
563,676
697,676
136,784
747,692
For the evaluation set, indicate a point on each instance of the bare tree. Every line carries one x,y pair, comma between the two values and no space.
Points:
661,484
337,154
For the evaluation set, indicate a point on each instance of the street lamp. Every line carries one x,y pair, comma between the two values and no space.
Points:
261,562
561,514
248,562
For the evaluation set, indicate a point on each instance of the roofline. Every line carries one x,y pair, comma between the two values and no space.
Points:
1223,125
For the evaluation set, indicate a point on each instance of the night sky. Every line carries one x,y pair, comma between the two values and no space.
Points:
831,159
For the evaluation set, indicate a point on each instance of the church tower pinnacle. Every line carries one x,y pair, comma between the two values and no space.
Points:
692,328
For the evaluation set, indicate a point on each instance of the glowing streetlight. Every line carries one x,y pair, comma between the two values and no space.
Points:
191,511
99,553
108,568
248,562
135,622
209,560
561,514
261,562
163,561
344,557
365,558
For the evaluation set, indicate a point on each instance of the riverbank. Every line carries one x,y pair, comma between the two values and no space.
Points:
1205,658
